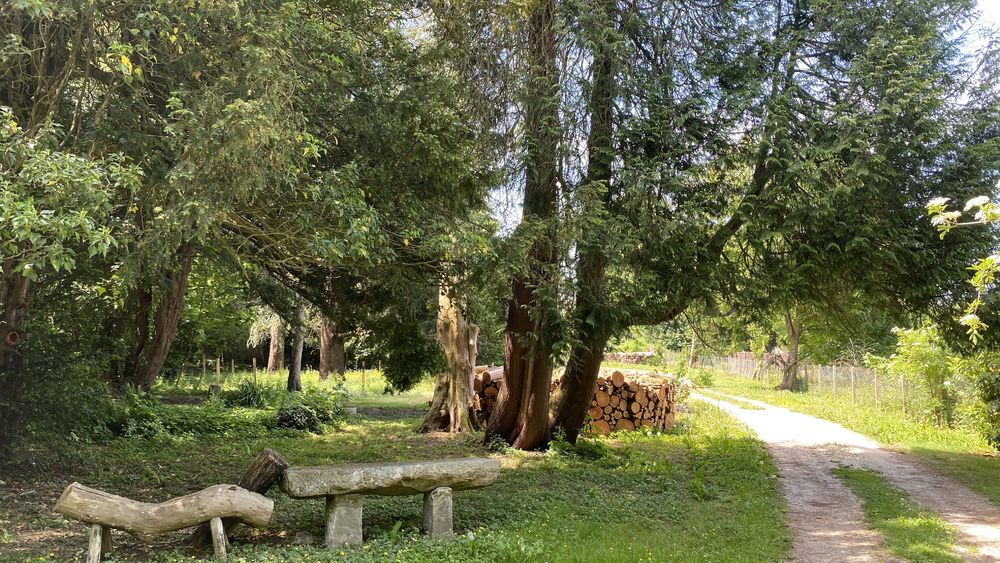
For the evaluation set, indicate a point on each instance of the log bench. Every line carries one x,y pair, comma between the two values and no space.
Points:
104,511
344,487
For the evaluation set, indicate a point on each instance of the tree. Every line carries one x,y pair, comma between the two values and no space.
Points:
54,209
521,415
451,406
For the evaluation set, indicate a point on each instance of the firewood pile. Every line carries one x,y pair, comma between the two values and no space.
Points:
486,387
629,357
621,401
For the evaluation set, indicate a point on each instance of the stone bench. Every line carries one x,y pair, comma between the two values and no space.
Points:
104,511
344,486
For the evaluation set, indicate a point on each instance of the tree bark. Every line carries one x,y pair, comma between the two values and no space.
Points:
295,368
451,407
140,305
576,388
521,417
262,474
14,292
790,377
168,314
276,353
331,350
148,520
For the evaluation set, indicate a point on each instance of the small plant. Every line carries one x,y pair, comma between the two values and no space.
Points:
297,417
497,444
254,394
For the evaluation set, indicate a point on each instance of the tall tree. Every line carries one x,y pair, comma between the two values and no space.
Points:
522,410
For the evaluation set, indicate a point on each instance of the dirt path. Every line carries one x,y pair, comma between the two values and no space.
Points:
824,515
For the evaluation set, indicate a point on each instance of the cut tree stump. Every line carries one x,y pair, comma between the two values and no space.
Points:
263,473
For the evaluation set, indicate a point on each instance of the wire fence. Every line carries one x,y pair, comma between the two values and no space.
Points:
854,384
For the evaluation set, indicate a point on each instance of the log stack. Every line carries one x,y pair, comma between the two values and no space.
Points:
486,387
621,401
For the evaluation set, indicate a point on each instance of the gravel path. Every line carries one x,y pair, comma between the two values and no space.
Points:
825,517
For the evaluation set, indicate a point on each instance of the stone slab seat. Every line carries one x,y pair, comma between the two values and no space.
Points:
343,486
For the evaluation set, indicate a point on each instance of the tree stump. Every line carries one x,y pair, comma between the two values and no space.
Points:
263,473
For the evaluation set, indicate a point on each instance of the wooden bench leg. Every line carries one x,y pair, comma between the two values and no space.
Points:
218,538
94,547
343,520
105,540
438,519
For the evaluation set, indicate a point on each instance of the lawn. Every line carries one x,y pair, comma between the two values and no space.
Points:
961,453
704,491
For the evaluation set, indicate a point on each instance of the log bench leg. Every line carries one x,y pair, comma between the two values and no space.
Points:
438,520
105,540
94,547
219,540
343,520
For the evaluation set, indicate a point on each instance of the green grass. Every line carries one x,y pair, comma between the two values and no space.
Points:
742,403
705,491
961,453
911,532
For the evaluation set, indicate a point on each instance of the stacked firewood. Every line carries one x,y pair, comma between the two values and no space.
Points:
486,386
620,402
629,357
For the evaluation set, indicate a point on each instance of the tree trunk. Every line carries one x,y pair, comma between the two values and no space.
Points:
276,353
571,401
168,314
265,471
521,417
295,368
451,407
331,350
140,304
790,377
14,291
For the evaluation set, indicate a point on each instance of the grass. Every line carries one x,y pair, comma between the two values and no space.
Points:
961,453
911,532
704,491
742,403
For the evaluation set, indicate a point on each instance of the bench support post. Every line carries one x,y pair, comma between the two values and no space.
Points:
438,520
343,520
94,549
218,538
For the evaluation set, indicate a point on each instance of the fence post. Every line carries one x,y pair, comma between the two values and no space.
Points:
835,383
902,389
875,375
819,378
254,362
854,388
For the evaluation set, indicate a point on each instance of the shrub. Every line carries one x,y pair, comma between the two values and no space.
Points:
254,394
297,417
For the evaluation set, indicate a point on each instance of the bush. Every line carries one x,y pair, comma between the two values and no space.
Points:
297,417
254,394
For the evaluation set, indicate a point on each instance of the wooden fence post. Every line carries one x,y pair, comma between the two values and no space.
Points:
835,383
854,388
875,375
902,392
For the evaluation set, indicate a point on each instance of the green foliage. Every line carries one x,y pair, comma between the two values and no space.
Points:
297,417
926,364
255,394
55,206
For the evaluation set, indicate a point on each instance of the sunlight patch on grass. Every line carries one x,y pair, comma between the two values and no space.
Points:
911,532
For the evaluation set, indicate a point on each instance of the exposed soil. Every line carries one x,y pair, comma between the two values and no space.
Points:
824,515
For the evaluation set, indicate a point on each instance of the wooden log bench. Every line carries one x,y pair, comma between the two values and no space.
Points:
344,487
104,511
